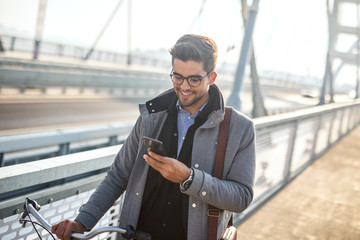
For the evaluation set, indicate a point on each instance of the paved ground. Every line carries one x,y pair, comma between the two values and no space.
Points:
322,203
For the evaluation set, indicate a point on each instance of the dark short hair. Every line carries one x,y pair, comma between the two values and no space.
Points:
197,48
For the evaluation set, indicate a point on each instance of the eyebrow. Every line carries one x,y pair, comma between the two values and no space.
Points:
188,76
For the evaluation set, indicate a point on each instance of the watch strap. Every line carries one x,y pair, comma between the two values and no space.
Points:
186,184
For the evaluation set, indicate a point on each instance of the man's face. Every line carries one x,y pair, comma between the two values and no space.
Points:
192,98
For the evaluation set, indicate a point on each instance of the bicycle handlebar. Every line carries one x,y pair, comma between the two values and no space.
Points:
31,207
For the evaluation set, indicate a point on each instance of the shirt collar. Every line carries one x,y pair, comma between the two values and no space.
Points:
181,110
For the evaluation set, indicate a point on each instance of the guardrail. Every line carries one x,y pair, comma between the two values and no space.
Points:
23,44
81,68
23,74
20,148
286,145
114,82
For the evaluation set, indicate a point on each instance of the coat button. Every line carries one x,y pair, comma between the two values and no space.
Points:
193,205
203,193
196,165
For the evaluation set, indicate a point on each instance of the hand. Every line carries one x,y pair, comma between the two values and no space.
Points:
64,229
170,168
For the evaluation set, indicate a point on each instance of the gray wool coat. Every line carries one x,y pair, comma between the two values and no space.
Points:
129,172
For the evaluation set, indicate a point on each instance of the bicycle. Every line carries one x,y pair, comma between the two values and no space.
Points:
31,207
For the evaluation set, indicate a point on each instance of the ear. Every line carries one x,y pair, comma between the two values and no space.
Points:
212,78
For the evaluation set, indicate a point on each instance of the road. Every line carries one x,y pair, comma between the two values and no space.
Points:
26,115
21,113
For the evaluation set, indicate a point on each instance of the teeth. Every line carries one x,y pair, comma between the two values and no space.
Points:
186,94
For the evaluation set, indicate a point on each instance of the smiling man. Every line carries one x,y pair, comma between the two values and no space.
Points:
169,196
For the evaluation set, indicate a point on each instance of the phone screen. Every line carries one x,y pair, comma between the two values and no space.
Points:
154,145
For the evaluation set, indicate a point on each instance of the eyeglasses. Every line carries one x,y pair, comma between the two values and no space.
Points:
193,81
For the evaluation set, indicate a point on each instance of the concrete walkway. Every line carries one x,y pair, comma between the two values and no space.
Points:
323,202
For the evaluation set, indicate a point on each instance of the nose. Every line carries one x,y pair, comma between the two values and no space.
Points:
185,84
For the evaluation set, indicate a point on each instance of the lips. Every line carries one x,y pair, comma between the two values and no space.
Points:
185,93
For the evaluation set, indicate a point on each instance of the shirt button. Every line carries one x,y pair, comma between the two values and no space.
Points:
194,205
196,165
150,104
189,117
153,110
137,194
203,193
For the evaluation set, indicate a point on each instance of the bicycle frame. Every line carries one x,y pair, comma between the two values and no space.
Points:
31,207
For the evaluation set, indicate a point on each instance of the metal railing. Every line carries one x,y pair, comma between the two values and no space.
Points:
23,44
67,75
24,75
286,145
20,148
125,83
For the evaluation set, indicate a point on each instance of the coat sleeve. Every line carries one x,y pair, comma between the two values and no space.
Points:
235,192
115,181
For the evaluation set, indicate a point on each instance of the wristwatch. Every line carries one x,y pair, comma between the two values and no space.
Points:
186,184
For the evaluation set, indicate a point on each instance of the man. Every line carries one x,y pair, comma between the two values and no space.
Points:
168,197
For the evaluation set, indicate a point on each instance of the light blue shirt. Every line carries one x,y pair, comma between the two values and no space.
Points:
184,121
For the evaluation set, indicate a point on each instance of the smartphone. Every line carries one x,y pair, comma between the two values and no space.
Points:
154,145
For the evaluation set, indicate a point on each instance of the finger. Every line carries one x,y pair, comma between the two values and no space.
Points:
152,162
60,233
157,157
61,229
54,228
67,233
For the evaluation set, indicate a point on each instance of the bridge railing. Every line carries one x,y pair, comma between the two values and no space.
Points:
125,83
20,148
286,145
23,44
24,75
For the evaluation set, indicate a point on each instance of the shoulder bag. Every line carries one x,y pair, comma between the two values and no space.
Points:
213,212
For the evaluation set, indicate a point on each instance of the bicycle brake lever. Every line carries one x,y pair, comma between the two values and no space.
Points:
25,213
34,203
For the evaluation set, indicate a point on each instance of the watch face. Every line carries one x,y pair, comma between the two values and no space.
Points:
186,184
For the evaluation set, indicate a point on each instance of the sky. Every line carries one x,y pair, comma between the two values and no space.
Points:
289,36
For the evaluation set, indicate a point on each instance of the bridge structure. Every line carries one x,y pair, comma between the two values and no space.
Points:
61,166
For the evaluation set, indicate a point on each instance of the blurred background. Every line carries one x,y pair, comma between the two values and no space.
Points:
72,74
289,45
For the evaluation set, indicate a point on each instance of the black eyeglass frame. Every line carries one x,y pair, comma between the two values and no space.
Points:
187,78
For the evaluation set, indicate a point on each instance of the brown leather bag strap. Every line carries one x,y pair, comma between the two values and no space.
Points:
214,212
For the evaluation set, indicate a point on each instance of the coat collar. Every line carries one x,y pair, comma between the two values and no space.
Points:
168,98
